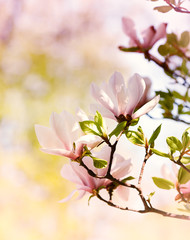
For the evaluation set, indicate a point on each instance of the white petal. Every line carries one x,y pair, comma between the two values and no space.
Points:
60,152
122,192
102,97
118,87
60,127
135,90
104,111
90,140
147,107
47,138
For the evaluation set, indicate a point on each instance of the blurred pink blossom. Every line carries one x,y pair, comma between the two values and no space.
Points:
118,100
64,137
149,36
183,189
86,183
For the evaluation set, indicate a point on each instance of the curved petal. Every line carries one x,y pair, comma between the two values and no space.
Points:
60,126
60,152
90,140
147,107
160,33
104,111
129,29
102,98
68,173
122,168
148,34
68,197
47,138
135,90
118,87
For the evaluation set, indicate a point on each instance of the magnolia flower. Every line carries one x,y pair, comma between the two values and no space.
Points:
172,175
64,138
149,36
86,183
119,101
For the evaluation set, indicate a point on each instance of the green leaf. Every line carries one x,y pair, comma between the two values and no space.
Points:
134,122
100,123
174,144
186,138
160,153
89,127
172,38
127,179
185,160
132,49
163,183
120,127
184,68
177,95
164,49
99,163
184,40
135,137
163,9
155,135
183,175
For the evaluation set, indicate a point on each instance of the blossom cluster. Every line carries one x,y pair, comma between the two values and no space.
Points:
94,163
117,101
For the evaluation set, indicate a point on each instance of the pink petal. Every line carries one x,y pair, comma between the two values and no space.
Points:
104,111
60,152
160,33
147,107
118,87
102,98
68,197
68,173
90,140
135,90
129,29
122,168
47,138
81,115
148,35
60,127
122,192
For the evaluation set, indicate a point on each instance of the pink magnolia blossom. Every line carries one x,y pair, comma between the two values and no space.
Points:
86,183
149,36
171,175
64,137
118,100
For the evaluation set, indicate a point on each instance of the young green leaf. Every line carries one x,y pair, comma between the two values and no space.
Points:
185,160
120,127
184,40
127,179
100,124
160,153
136,138
183,175
89,127
186,138
155,135
174,144
163,183
99,163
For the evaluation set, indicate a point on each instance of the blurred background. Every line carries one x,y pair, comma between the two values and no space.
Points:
50,52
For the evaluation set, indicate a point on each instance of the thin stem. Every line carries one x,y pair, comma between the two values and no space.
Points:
165,66
147,210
